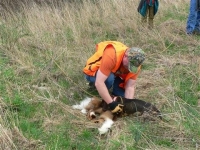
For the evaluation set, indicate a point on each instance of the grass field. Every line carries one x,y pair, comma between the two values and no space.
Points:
43,49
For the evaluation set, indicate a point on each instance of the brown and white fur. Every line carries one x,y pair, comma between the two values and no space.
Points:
93,106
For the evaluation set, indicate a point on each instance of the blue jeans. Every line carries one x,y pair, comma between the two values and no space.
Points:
111,81
193,22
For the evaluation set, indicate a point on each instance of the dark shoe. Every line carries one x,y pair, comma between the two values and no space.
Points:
190,33
196,32
91,86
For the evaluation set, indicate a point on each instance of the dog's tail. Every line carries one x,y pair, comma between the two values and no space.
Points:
106,126
82,105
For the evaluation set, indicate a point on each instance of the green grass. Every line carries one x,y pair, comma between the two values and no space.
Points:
41,77
186,84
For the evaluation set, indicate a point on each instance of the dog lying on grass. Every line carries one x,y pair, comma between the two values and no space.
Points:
94,106
131,106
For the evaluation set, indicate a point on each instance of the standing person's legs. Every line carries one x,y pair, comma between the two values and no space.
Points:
118,91
151,16
192,17
109,81
144,19
197,26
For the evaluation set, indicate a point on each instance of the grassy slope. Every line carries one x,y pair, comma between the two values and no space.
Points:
42,53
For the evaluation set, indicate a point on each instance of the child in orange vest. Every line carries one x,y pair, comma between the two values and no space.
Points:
116,66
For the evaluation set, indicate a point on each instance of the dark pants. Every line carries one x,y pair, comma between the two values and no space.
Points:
111,82
150,16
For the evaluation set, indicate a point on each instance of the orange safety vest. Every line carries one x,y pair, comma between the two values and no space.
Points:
94,62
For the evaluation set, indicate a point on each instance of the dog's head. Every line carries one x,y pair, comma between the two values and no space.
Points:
152,110
141,106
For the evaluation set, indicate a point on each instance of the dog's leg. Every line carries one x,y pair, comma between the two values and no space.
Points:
101,120
107,124
82,105
99,110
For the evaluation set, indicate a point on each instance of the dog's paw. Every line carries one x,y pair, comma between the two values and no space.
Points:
106,126
76,107
103,130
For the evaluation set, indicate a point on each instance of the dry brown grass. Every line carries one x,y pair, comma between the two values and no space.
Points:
50,45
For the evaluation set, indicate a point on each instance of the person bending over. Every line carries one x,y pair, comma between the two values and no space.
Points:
116,66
